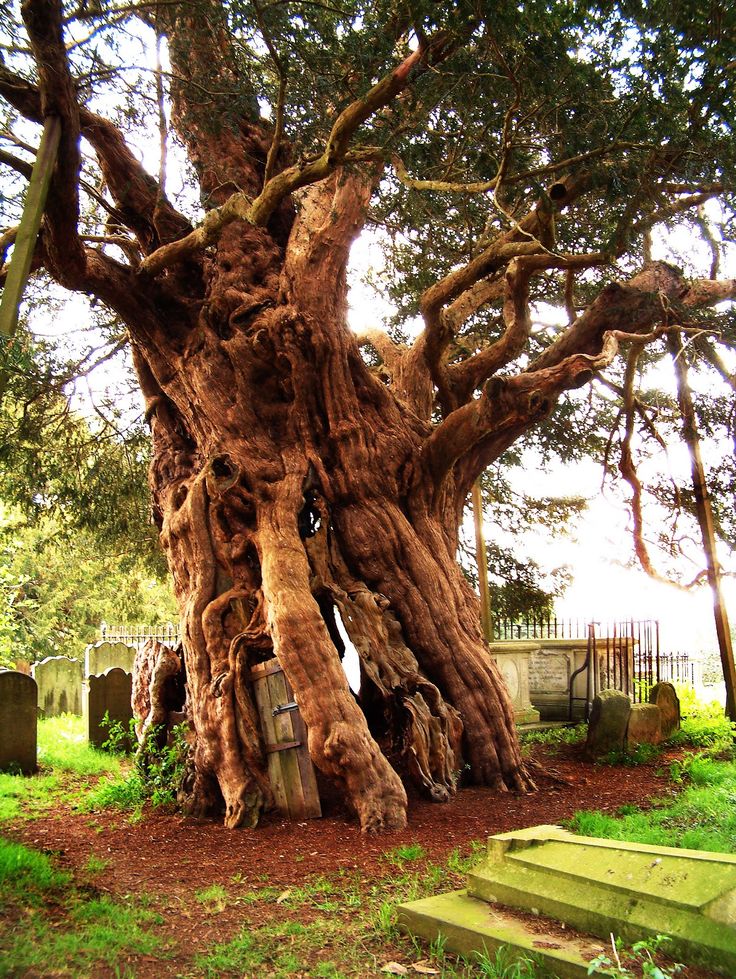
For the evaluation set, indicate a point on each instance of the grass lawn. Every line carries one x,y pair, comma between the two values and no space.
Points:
62,921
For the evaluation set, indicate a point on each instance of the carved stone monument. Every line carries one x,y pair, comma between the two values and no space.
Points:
59,680
18,721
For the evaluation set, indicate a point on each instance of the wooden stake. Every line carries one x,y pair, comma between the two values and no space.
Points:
25,242
486,615
705,519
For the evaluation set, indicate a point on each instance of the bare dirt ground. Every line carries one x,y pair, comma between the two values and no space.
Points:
172,858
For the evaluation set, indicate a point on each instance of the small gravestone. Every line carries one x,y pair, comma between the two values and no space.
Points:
645,725
102,656
609,719
109,693
665,697
18,721
59,680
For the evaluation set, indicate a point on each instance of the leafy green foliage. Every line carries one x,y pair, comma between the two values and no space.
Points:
57,585
157,773
637,960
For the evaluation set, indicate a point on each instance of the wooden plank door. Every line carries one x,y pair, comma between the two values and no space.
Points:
290,768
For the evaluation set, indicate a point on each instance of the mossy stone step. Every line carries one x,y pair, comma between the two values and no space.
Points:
468,925
628,889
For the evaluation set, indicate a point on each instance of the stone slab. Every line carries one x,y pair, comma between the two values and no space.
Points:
102,656
468,926
665,697
628,889
645,725
609,721
59,680
18,722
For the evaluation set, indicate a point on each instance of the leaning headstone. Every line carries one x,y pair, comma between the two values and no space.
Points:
645,725
18,721
59,680
665,697
107,694
609,718
102,656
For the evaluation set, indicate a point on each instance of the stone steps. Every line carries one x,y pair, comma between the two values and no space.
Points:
469,925
601,887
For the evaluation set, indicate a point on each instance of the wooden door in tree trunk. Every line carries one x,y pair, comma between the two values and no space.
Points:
290,768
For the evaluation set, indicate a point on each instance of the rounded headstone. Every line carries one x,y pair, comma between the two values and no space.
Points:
18,721
59,680
609,719
108,693
665,697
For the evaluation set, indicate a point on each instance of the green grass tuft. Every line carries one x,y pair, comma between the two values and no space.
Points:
702,817
57,928
27,872
63,746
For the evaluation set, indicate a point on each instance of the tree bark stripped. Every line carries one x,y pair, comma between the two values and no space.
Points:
290,482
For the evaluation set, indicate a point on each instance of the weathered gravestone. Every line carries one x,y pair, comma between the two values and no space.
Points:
59,680
609,719
645,725
665,697
104,655
18,721
109,693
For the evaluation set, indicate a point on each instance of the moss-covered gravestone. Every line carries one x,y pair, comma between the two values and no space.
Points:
601,887
609,720
645,725
108,694
104,655
665,697
18,721
59,680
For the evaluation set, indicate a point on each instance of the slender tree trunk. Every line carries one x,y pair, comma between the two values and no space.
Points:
481,561
705,520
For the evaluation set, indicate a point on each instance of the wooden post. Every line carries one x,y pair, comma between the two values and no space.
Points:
705,519
486,615
25,241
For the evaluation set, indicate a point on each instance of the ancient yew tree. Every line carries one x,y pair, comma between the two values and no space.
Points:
508,155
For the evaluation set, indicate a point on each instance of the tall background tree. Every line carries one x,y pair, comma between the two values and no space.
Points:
511,155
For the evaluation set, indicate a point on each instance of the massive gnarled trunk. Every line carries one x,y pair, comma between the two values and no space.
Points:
290,481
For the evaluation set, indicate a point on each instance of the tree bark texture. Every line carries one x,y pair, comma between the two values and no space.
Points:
288,483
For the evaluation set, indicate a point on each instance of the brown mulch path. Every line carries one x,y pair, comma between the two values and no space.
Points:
171,857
